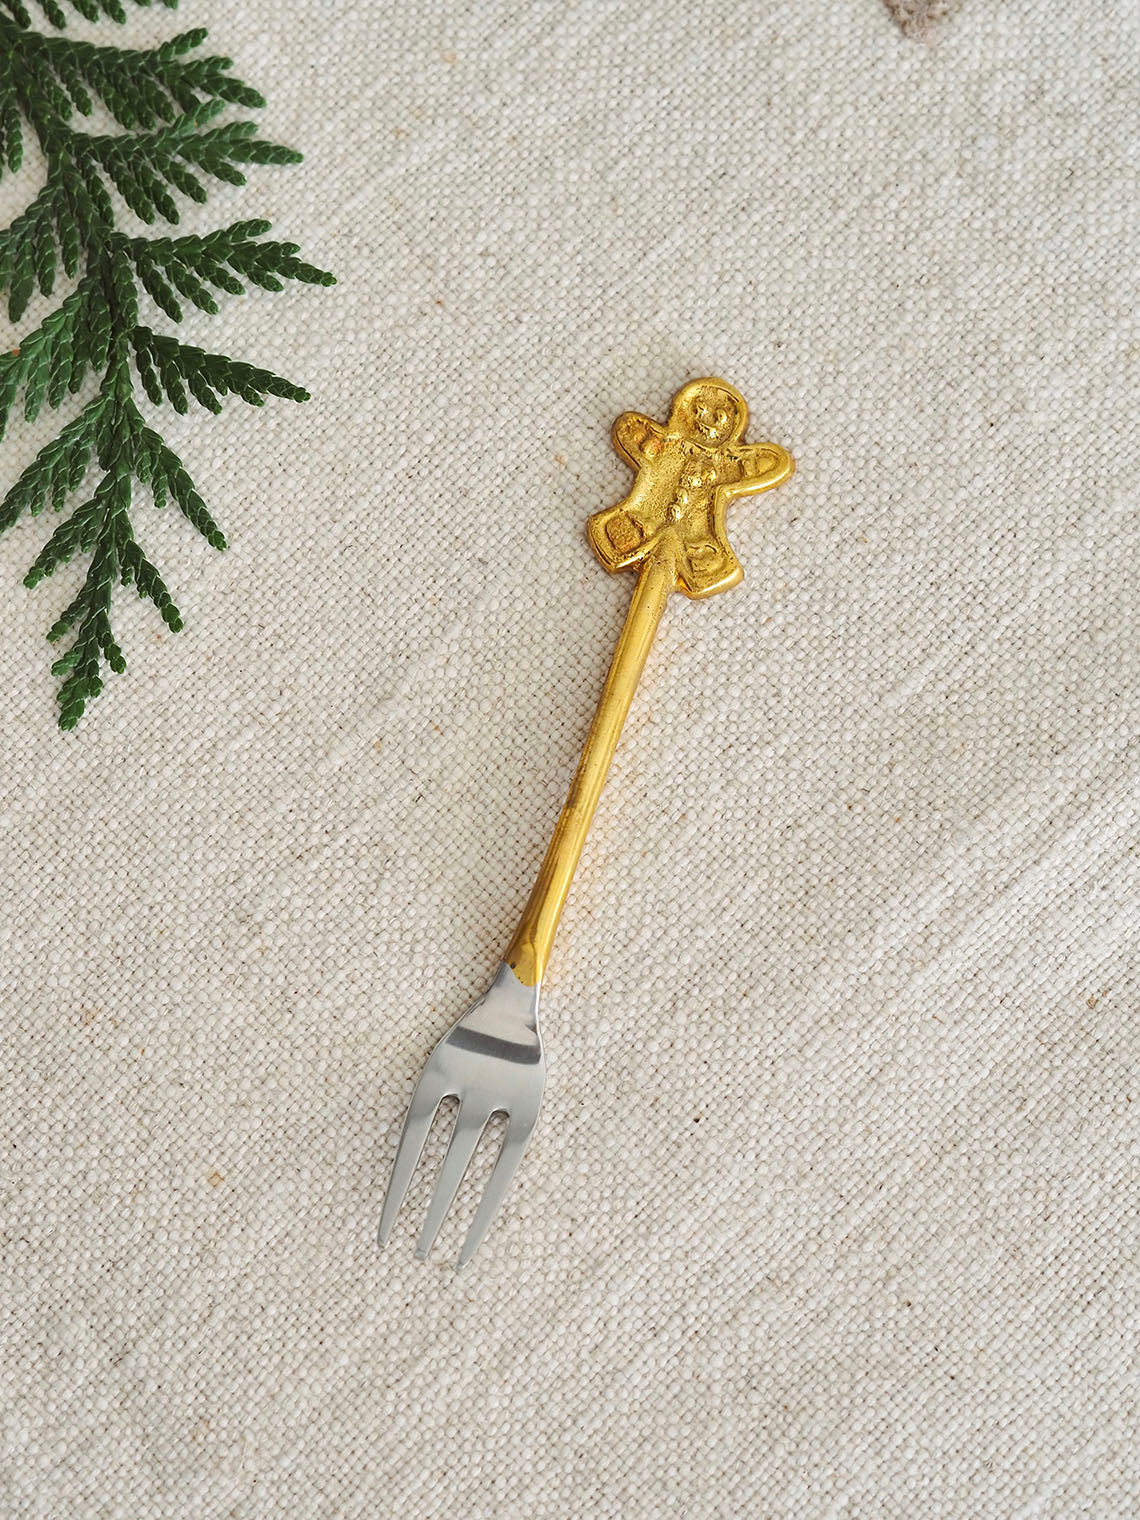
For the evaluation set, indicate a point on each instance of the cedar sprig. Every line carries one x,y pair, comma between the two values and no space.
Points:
140,88
74,208
90,10
167,102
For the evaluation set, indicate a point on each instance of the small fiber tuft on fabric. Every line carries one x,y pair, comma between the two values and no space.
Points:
916,17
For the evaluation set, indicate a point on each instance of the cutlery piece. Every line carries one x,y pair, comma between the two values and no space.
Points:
671,528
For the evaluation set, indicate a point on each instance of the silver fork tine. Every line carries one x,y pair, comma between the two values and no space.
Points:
519,1130
470,1122
429,1094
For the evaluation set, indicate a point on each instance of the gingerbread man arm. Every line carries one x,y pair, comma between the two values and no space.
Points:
637,438
762,465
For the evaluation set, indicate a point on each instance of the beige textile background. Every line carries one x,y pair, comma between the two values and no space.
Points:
832,1210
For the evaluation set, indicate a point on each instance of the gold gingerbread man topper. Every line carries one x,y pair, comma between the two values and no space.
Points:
688,471
671,527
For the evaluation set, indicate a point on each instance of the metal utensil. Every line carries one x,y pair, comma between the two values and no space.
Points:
671,527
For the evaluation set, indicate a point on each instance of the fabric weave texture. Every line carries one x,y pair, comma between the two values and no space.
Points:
831,1212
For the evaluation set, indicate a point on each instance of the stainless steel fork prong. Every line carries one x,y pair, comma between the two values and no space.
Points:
507,1164
425,1102
470,1122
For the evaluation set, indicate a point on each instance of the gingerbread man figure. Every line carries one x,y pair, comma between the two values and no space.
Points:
687,473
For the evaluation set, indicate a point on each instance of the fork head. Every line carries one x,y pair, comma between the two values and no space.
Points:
491,1060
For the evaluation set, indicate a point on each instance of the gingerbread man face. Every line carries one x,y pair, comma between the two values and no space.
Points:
711,412
687,473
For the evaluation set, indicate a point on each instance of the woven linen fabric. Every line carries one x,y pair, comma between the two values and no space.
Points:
832,1209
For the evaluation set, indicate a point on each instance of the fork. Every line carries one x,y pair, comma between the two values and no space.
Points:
671,530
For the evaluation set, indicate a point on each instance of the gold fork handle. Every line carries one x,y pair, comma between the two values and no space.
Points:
529,950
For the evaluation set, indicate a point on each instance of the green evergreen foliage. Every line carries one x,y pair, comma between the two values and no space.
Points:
167,101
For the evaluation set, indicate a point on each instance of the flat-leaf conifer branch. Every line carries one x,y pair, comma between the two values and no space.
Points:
167,101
